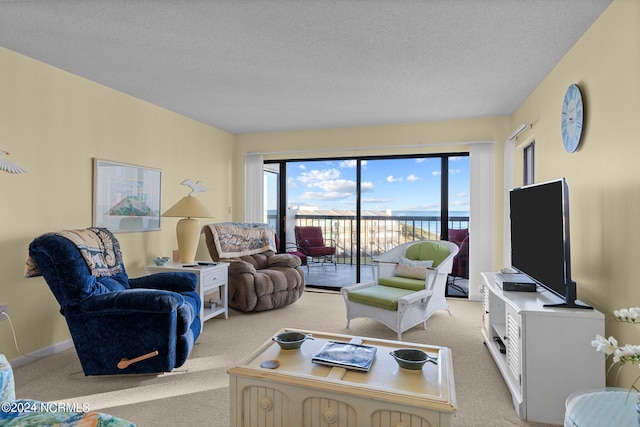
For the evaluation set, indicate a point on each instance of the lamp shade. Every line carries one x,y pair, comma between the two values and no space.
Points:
188,207
188,228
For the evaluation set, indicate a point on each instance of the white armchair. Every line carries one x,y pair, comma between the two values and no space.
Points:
398,301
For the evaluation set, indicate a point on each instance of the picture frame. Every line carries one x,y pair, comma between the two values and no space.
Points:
126,197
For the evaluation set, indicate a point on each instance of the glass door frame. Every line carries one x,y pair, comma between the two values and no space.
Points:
444,192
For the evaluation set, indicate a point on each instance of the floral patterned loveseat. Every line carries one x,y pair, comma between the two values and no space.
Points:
26,413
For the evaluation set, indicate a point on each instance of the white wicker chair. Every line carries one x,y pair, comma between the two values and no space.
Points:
414,308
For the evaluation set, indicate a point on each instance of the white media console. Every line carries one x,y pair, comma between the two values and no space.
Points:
543,353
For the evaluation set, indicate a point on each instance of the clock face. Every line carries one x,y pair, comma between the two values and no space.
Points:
572,118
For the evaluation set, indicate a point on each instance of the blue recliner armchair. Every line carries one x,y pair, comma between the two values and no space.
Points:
118,325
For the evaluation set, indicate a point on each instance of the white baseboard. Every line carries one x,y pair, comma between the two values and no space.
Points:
43,352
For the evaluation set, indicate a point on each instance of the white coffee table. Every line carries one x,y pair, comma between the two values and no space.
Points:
299,392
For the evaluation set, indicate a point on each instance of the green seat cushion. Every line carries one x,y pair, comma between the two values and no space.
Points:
428,250
379,296
402,283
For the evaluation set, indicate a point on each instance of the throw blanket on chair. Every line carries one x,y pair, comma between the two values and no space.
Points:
98,247
234,240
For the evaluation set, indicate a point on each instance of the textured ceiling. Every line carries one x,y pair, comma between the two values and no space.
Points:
257,66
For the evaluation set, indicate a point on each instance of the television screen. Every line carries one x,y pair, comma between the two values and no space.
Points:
540,234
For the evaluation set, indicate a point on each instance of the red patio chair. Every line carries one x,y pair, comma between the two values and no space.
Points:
461,260
310,242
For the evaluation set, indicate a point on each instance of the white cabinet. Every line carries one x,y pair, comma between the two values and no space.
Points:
513,344
213,279
544,354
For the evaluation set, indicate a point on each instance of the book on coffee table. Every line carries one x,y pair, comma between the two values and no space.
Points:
346,355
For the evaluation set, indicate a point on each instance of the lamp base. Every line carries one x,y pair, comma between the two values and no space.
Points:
188,234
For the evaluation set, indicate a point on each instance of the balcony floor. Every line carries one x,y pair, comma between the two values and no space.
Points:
327,277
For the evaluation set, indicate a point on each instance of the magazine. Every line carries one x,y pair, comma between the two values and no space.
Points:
346,355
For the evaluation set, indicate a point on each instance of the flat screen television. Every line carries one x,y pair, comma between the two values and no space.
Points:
540,238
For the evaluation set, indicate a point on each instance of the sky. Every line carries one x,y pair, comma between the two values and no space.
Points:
389,184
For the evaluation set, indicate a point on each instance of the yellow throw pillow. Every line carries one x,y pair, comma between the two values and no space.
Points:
413,269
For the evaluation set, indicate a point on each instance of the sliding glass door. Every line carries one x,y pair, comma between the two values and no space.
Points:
367,205
400,202
458,192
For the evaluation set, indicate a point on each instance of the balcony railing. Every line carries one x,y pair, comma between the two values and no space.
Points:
378,234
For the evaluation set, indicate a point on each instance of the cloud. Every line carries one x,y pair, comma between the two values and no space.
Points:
436,173
391,178
454,171
412,177
327,195
327,184
336,185
351,163
303,166
376,200
318,175
342,185
421,159
367,186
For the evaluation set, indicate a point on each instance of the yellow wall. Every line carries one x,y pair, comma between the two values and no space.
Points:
54,123
603,175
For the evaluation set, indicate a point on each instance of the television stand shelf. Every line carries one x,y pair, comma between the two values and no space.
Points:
547,351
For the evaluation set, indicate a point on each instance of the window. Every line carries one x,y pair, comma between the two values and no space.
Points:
529,164
369,204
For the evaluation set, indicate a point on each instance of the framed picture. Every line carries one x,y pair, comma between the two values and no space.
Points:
126,198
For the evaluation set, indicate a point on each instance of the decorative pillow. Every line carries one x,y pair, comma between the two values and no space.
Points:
412,269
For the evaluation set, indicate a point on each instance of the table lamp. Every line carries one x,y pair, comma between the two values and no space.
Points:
188,228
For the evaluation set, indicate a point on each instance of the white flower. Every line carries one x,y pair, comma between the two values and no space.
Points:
604,345
630,315
627,353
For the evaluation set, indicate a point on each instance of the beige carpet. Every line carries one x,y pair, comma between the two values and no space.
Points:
197,395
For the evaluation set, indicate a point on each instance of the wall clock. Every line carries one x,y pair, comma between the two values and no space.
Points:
572,118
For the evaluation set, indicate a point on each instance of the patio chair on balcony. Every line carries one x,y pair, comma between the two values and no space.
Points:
460,267
408,287
311,243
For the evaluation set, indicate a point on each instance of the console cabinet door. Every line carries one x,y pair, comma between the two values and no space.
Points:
319,411
265,407
387,418
514,344
486,321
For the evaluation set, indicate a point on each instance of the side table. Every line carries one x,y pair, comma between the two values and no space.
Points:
211,278
610,406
